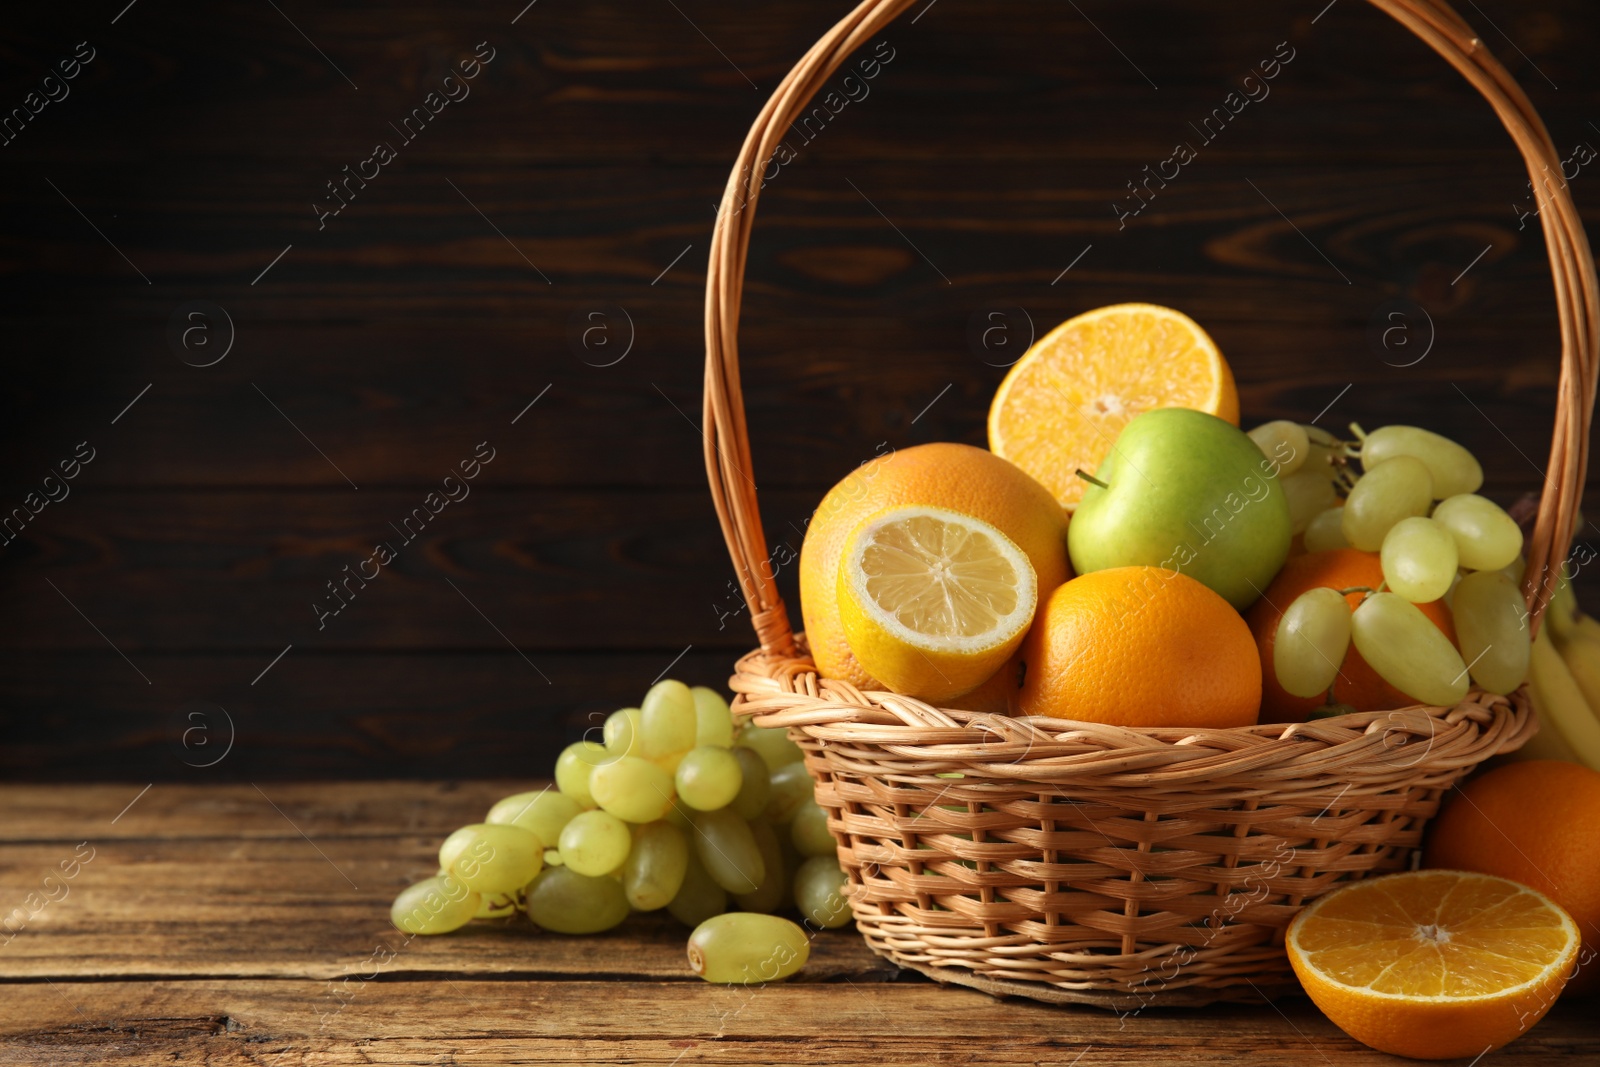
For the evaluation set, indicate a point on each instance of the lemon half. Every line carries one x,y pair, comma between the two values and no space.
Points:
933,602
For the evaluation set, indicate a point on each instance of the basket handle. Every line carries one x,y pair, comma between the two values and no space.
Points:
727,439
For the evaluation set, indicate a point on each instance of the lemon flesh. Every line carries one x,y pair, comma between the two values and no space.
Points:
932,601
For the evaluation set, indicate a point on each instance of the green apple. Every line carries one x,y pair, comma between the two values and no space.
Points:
1187,491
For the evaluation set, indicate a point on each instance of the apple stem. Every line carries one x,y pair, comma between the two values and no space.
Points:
1091,479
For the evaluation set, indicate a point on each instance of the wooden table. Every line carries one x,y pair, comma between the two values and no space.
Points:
244,925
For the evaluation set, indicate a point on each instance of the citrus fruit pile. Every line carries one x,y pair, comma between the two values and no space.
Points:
1223,578
1123,553
677,809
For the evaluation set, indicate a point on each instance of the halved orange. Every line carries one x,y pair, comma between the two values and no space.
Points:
1434,964
1063,404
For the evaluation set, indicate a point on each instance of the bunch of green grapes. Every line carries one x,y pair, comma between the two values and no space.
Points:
676,808
1414,501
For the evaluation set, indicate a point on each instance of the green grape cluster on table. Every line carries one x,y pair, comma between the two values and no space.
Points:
677,808
1409,495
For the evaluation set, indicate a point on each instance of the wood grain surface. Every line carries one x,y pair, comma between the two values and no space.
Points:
373,350
236,924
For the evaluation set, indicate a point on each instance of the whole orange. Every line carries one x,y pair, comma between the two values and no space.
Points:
959,477
1536,822
1140,646
1357,683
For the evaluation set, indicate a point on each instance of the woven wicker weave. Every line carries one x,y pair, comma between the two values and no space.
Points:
1070,861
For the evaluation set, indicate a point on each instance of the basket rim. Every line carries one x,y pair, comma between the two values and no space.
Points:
777,691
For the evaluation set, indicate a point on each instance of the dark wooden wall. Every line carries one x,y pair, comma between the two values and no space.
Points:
137,615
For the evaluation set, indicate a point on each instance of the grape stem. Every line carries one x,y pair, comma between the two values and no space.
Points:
1355,428
1091,479
1367,589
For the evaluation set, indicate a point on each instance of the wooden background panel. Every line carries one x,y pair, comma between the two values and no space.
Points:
397,359
595,144
325,715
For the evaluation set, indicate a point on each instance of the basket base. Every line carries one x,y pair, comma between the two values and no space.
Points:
1107,1000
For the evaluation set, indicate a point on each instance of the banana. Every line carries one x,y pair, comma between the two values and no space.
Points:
1561,702
1546,743
1562,614
1587,625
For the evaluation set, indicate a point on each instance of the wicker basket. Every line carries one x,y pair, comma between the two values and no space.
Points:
1070,861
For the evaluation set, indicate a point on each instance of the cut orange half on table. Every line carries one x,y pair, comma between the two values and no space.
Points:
1434,964
932,601
1061,407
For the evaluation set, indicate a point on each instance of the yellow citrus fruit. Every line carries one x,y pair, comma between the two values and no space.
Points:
969,480
933,601
997,695
1433,964
1140,646
1063,404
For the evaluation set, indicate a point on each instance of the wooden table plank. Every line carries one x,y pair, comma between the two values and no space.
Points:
295,880
288,1023
207,928
181,811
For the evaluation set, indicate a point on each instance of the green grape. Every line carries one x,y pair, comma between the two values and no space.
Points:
494,859
1319,437
742,948
1309,494
1326,531
819,892
498,906
1486,537
1284,442
1398,489
755,783
1325,448
809,830
1407,650
669,762
565,902
1515,569
713,720
668,721
434,905
1312,638
621,732
774,745
654,871
1490,617
1451,468
708,778
700,897
552,856
728,849
679,815
573,767
632,789
791,787
456,844
773,892
595,843
542,814
1419,559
